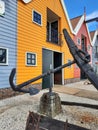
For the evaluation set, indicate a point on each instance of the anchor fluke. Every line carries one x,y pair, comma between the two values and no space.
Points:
31,90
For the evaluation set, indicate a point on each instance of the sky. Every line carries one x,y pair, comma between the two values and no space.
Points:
76,8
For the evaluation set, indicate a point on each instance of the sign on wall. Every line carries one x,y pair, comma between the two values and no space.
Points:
2,7
27,1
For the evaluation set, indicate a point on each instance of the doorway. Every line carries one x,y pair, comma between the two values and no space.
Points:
84,48
57,63
51,60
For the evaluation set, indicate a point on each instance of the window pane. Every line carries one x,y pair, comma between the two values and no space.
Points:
33,56
37,17
3,55
1,52
33,62
31,59
78,41
96,49
28,55
4,60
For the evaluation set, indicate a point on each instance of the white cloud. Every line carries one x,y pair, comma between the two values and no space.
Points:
92,15
92,25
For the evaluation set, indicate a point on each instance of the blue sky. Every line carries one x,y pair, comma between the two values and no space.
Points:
76,8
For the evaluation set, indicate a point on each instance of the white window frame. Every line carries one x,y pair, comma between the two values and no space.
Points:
50,38
50,31
35,59
33,17
6,56
2,8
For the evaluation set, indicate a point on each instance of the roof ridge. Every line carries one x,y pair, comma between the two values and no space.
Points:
76,17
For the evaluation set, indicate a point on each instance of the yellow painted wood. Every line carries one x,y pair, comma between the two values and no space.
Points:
32,37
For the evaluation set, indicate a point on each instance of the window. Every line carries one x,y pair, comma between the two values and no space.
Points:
78,41
84,43
52,32
30,59
88,48
37,17
96,49
3,56
96,68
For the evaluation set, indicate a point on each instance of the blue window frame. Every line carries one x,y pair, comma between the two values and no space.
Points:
31,59
37,18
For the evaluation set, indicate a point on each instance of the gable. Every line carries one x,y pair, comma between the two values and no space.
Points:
74,21
79,26
57,7
93,35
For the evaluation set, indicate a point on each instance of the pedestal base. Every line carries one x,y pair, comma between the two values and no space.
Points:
50,104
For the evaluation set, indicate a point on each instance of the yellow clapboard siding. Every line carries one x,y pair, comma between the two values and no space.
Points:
32,37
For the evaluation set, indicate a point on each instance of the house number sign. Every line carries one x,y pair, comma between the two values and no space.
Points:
2,7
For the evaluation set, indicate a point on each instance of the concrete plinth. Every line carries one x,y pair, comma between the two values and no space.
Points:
50,104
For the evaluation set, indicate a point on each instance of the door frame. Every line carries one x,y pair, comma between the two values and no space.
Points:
62,53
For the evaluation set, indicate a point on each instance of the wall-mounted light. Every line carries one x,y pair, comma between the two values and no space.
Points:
2,7
26,1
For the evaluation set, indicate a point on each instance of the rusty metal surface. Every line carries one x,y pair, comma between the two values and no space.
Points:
33,91
81,58
38,122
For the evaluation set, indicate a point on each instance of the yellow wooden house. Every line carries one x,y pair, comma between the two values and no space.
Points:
40,42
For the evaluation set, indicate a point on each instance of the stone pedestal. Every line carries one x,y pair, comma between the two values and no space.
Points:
50,104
